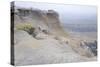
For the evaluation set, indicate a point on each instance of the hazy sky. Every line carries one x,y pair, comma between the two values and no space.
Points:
68,13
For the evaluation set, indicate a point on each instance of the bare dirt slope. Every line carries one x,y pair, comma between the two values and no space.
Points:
40,39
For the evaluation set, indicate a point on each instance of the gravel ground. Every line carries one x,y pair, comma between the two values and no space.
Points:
29,50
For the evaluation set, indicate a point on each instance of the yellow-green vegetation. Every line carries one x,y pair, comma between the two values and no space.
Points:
26,27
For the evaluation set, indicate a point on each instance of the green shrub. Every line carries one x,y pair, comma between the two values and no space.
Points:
26,27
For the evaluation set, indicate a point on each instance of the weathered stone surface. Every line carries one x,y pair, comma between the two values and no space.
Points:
48,42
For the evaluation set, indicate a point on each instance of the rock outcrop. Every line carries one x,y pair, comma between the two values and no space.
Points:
44,20
40,39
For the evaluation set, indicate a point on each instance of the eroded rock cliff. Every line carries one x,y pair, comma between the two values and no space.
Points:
40,39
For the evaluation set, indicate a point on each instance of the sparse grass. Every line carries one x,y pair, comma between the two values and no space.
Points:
26,27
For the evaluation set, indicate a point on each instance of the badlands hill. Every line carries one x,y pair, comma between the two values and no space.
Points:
44,20
39,38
